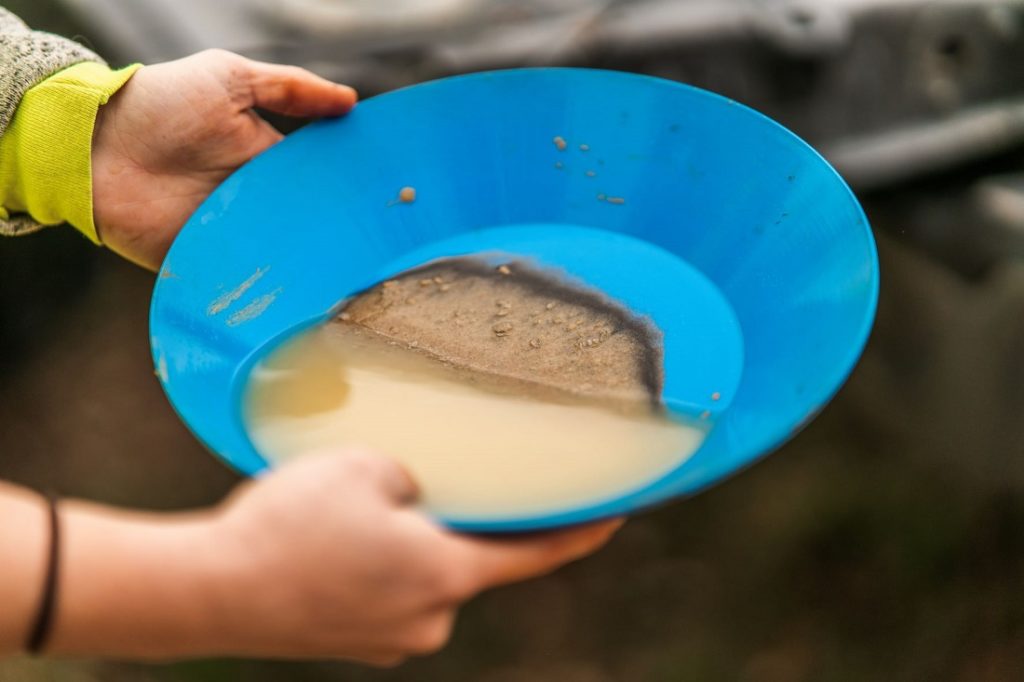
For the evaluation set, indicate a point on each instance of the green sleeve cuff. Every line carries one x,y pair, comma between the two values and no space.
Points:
46,152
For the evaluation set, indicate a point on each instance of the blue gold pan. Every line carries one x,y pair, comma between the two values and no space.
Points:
736,238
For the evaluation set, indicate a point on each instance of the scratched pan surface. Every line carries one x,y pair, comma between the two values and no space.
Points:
740,242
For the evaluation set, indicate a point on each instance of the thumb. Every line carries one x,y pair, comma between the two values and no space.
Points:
294,91
353,470
382,473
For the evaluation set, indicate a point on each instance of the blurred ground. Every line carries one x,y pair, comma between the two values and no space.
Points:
886,542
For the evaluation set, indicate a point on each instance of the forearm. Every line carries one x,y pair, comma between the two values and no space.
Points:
130,585
138,585
50,91
27,57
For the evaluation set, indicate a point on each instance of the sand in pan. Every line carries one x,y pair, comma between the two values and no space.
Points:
502,389
516,327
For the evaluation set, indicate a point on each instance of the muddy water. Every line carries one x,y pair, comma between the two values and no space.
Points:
478,447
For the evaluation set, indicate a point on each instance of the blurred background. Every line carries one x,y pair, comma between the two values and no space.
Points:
886,542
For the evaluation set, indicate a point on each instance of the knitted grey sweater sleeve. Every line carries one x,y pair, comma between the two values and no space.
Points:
27,57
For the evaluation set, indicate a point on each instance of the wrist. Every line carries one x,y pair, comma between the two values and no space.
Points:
45,153
138,585
23,542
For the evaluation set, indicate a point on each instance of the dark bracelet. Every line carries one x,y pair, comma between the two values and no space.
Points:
48,600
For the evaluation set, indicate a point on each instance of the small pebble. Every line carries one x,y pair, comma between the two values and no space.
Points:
549,306
502,303
438,280
445,287
345,317
560,142
504,269
716,395
535,343
502,328
426,282
616,200
390,284
584,147
502,313
407,195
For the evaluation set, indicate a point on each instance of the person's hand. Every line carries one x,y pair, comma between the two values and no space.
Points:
326,558
332,560
176,130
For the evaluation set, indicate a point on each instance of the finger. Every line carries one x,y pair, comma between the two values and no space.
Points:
498,562
384,473
369,472
293,91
